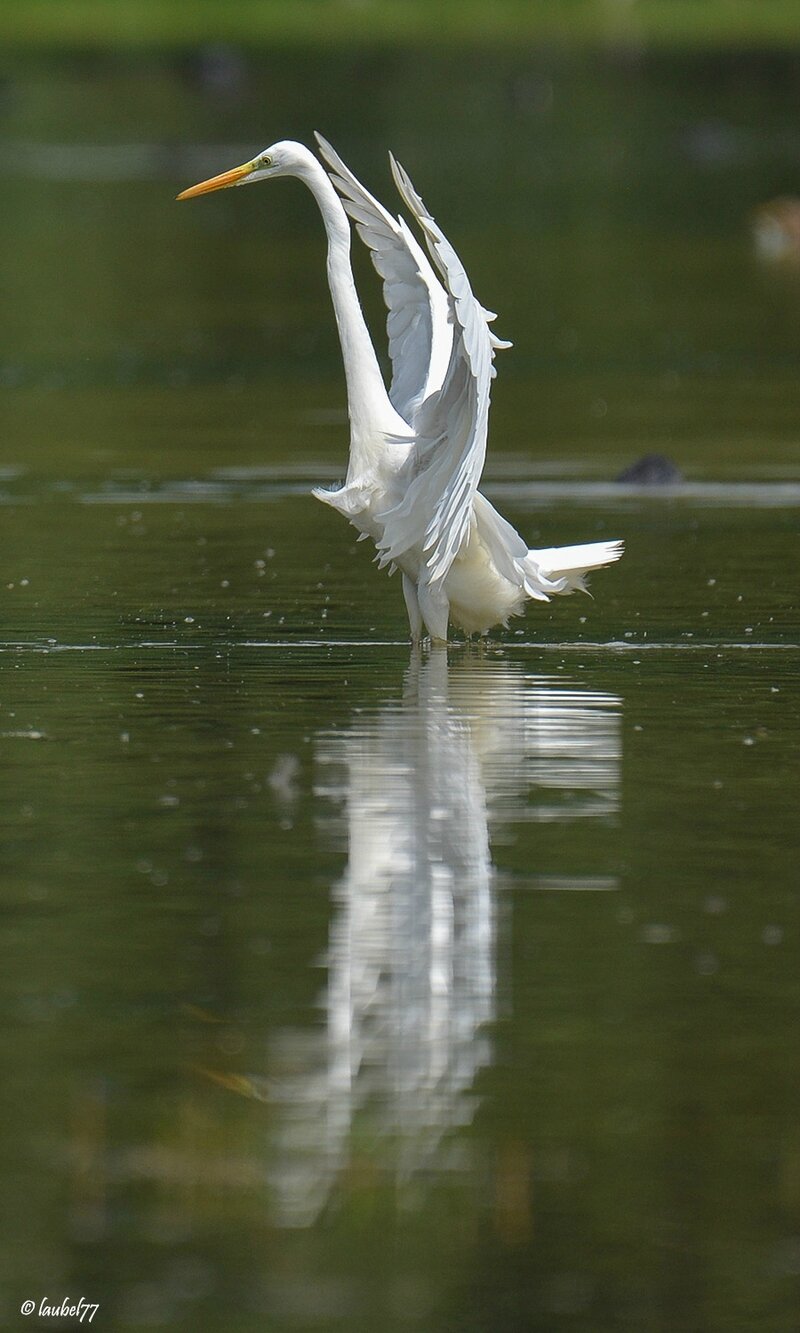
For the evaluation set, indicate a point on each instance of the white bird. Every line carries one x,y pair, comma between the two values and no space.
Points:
417,452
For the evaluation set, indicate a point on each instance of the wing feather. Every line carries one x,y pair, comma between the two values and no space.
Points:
417,324
452,424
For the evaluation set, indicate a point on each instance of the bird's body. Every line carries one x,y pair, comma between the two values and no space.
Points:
417,452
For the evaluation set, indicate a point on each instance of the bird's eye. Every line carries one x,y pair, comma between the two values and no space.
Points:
266,160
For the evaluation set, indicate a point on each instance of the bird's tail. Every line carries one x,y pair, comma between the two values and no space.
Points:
568,565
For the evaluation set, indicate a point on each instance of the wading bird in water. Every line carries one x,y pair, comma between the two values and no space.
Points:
417,452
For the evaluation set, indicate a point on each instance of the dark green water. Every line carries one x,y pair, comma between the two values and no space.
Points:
345,988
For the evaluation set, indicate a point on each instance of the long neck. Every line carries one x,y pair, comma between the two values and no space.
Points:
372,416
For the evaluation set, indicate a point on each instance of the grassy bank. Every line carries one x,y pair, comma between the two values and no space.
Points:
173,23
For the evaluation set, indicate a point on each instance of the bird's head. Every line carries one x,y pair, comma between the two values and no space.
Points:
281,159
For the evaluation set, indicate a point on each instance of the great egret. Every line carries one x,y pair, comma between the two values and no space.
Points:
417,452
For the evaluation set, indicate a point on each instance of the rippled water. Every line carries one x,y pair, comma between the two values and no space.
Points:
346,986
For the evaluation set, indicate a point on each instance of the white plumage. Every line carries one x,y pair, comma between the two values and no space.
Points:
417,452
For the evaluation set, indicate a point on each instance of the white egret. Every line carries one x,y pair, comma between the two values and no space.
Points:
417,452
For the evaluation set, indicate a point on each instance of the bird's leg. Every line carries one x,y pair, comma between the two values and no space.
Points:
412,607
435,610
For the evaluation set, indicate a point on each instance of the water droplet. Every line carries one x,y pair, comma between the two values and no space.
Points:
659,933
706,964
715,904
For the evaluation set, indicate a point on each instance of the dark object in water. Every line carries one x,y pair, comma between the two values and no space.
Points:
652,470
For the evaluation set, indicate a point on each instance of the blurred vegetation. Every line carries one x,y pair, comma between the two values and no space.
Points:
601,204
268,22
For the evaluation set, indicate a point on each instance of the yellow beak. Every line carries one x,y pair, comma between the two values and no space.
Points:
219,182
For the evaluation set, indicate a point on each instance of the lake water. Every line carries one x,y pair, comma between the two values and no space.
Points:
348,987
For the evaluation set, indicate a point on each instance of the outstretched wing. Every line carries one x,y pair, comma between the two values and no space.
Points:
420,334
452,425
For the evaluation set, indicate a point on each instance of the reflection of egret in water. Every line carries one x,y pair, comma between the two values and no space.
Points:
412,947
